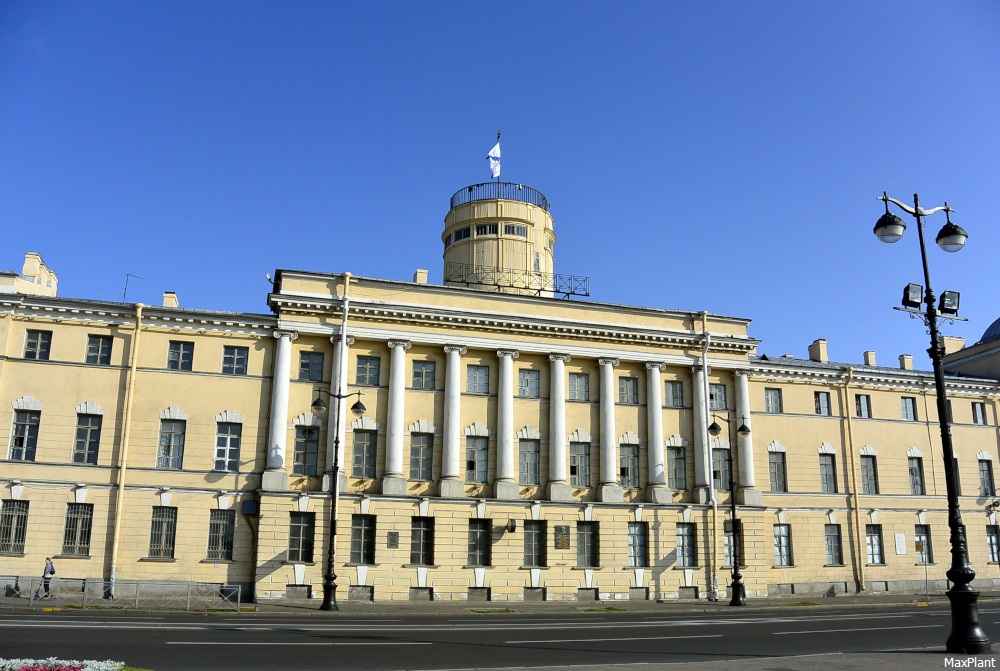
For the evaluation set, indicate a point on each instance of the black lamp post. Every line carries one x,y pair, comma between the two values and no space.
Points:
330,577
739,597
966,634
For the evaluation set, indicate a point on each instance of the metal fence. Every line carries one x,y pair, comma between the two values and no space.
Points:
504,190
122,594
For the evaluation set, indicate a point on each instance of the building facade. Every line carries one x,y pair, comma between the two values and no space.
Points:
514,445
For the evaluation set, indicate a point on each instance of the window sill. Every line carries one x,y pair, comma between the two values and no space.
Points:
165,560
11,554
304,563
477,566
834,565
630,568
528,568
789,566
421,566
881,564
71,556
585,568
685,568
217,561
361,564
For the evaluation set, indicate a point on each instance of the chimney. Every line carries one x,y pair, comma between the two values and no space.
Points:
906,362
420,276
870,358
170,300
953,344
817,351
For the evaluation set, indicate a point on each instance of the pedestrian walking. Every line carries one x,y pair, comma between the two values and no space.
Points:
47,573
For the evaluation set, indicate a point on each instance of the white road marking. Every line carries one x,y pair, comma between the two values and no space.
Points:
634,638
379,643
837,631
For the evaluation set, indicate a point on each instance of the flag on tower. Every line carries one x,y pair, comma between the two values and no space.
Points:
494,157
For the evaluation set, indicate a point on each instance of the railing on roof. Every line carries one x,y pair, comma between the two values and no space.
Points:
531,282
500,190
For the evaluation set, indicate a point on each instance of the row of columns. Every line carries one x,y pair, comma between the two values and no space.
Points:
506,485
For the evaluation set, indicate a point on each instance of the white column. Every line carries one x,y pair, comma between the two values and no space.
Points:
393,482
747,481
338,408
610,487
506,481
278,425
558,488
451,457
654,413
701,468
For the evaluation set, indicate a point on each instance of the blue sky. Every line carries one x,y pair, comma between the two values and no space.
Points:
722,156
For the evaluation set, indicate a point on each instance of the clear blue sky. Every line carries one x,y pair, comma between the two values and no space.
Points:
722,156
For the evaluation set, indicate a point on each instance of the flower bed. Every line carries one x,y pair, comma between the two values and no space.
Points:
53,664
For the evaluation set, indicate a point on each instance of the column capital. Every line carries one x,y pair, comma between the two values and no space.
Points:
743,372
699,368
512,353
565,358
285,333
448,349
658,365
405,344
336,340
607,361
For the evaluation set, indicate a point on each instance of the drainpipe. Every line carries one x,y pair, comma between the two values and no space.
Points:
123,458
707,448
859,566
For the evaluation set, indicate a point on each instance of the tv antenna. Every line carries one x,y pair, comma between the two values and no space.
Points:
125,293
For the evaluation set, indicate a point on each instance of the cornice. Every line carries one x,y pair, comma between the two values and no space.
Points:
887,379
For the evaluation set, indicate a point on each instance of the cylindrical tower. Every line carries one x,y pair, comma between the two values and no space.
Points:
499,236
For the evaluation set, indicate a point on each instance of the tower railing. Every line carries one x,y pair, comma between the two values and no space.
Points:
500,190
503,278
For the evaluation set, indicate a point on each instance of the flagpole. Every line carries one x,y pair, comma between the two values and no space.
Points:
498,176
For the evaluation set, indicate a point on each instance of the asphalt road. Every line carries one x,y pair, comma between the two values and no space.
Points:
741,640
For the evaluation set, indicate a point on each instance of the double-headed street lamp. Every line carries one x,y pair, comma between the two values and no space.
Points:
330,577
739,597
966,635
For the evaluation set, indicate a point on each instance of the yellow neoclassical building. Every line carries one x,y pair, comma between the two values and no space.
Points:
513,444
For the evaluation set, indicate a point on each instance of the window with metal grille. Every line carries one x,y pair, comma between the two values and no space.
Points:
776,468
367,372
423,374
717,397
99,349
228,437
516,230
234,360
170,452
677,465
579,387
782,545
869,474
88,439
873,544
527,462
422,541
362,539
629,464
534,543
638,544
772,401
301,535
587,545
180,355
37,345
306,455
486,229
827,474
163,532
13,526
579,464
480,542
476,456
673,394
364,454
628,390
76,531
687,544
421,456
311,366
477,379
24,437
527,383
221,531
834,549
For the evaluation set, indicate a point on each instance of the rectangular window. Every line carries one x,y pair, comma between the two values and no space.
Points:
37,345
76,532
821,400
687,544
527,383
13,526
363,539
227,446
162,532
88,439
311,366
234,360
301,535
486,229
477,379
922,543
958,476
421,455
638,544
99,349
480,542
916,468
579,464
514,229
873,544
579,387
772,401
869,474
978,412
834,549
673,394
180,355
727,550
986,486
476,458
24,438
776,467
170,451
827,474
677,464
221,531
717,397
422,541
534,543
463,233
423,374
783,545
368,370
527,462
629,458
306,455
364,454
909,408
628,390
993,542
863,405
587,545
721,476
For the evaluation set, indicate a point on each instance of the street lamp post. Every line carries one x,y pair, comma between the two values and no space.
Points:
330,577
739,597
966,636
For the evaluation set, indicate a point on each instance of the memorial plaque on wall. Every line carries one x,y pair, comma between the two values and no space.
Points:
562,537
392,539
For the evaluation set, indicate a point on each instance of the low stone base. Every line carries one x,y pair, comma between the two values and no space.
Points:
452,488
611,494
274,481
749,497
658,494
393,486
560,491
701,495
507,491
